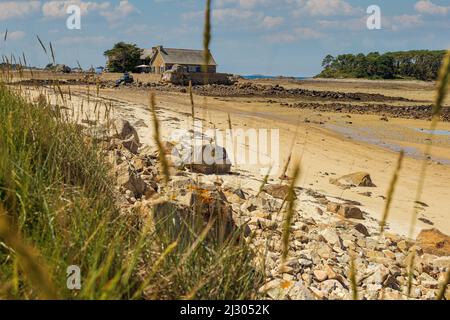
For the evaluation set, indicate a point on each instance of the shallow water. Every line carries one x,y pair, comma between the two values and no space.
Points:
433,132
369,136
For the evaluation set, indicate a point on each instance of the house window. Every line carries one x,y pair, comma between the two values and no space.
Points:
192,69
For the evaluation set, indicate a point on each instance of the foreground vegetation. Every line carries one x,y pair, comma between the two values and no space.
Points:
58,208
416,64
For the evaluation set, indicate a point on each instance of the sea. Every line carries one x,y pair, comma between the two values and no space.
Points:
260,76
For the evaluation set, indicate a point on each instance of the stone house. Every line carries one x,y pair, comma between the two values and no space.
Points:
162,59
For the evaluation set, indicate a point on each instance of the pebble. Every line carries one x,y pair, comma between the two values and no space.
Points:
320,275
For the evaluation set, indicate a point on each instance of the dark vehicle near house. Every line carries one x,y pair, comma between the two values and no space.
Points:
125,79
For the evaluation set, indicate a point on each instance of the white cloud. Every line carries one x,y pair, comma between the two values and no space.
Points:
248,4
16,35
354,24
58,8
124,9
238,16
230,14
294,36
402,22
326,8
428,7
18,9
271,22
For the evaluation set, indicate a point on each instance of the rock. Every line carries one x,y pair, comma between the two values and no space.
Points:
362,229
402,245
234,199
122,129
150,192
299,292
320,275
131,145
433,241
357,179
333,207
330,272
269,286
261,214
347,211
440,262
204,207
278,191
428,281
181,184
390,294
389,254
306,277
139,164
130,180
350,212
379,273
324,251
262,202
330,285
240,193
305,263
319,294
206,159
331,237
391,282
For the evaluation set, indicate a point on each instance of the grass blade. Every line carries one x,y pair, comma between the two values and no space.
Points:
42,44
157,138
289,214
391,191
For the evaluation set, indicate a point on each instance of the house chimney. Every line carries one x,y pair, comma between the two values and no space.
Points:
157,48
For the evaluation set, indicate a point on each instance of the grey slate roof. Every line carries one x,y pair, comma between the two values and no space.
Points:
181,56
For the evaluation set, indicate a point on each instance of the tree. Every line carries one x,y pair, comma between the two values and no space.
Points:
123,57
327,61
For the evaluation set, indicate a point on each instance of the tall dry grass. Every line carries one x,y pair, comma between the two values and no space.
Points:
59,209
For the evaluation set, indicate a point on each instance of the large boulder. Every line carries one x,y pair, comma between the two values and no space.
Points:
123,130
357,179
345,210
130,179
433,241
206,158
278,191
193,209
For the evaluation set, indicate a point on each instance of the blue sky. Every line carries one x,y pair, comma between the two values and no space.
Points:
273,37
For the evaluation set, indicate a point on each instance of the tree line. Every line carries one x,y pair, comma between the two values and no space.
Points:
415,64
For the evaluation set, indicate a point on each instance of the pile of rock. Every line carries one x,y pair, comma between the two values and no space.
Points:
247,88
327,234
395,111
